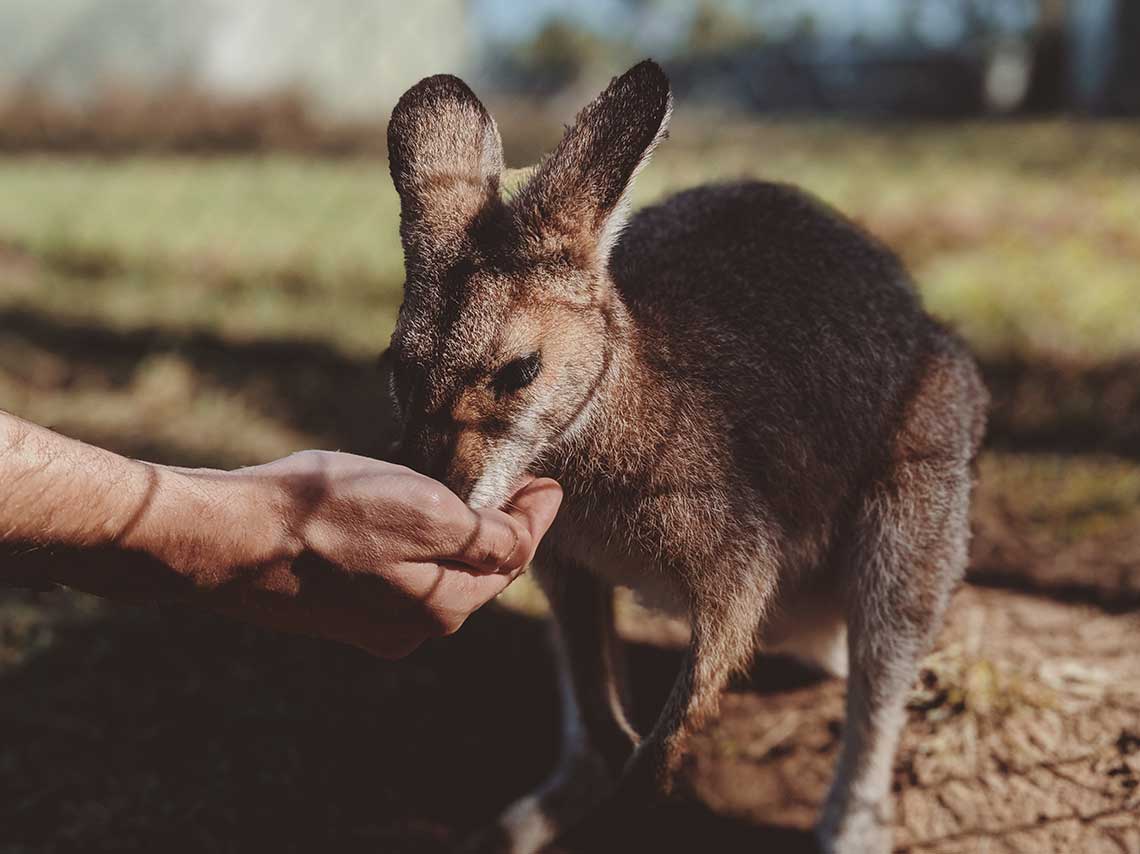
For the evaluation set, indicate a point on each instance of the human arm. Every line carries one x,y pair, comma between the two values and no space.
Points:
320,543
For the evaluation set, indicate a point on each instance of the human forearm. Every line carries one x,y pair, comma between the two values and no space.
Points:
78,515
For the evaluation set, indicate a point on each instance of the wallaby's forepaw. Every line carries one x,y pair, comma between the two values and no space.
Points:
863,830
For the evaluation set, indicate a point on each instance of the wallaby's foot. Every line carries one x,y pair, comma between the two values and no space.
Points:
862,830
534,821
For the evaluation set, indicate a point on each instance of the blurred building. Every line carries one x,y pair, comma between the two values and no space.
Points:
356,56
352,57
946,57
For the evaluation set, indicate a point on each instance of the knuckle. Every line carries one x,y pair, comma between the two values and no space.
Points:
307,457
435,501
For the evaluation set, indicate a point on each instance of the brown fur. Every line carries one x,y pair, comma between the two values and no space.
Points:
748,409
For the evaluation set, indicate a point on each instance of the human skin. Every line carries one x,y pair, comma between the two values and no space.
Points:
319,543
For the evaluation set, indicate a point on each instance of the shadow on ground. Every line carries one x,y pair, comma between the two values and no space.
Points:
150,730
307,385
688,826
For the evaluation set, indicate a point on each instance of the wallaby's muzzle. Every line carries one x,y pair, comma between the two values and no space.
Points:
451,456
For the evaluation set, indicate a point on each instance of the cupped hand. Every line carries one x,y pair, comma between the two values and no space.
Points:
373,554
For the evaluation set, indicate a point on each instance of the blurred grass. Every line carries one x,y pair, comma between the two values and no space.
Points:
1021,235
243,246
1072,499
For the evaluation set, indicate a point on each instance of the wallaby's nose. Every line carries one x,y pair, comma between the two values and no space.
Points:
426,452
432,453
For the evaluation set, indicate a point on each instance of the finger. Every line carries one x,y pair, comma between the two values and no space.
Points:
462,592
535,506
495,542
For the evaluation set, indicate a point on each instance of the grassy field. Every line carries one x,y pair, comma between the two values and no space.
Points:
224,311
1023,236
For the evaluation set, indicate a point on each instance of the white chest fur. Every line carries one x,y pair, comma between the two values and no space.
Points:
591,545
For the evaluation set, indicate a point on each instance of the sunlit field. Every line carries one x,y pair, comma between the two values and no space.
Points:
1023,236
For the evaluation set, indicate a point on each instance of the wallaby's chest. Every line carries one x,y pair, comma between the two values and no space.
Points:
595,541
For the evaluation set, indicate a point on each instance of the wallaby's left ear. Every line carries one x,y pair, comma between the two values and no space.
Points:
579,193
446,159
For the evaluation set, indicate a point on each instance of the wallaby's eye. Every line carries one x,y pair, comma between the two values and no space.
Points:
517,374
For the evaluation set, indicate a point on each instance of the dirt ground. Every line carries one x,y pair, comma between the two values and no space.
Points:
146,730
1025,737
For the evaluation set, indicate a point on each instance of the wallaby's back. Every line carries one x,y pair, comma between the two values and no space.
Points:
788,318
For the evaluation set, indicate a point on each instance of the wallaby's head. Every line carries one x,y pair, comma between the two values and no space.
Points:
503,337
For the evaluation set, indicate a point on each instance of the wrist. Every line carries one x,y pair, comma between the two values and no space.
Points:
212,528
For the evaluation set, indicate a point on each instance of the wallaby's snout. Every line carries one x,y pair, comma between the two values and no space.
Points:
431,452
446,452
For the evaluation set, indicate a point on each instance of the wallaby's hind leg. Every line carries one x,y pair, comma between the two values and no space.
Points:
597,739
908,552
725,624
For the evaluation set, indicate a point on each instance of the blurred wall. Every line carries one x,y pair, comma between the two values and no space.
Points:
353,56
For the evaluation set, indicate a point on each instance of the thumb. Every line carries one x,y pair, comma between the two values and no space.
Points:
535,506
504,541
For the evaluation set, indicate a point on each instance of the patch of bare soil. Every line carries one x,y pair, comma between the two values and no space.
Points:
1023,737
1007,552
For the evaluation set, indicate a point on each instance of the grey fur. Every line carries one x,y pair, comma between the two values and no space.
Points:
750,413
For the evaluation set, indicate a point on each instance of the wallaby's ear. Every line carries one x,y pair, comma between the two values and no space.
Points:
446,159
578,195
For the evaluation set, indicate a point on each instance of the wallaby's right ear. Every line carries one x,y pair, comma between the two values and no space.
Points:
578,195
446,159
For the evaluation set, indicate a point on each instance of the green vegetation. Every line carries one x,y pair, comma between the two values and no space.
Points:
1023,236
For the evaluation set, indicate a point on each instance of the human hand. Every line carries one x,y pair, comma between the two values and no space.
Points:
321,543
361,551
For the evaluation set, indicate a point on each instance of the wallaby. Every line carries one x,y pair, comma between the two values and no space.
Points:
751,416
